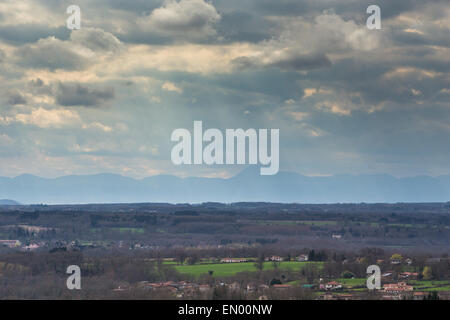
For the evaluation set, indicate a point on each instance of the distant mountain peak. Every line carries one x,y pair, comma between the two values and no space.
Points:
7,202
246,186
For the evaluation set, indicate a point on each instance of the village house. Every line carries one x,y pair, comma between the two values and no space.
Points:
397,288
408,275
10,243
275,258
31,247
233,260
331,286
302,258
254,286
180,289
387,276
282,286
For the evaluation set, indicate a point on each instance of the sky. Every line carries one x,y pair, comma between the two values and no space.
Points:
106,98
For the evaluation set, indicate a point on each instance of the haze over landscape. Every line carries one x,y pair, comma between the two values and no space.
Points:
105,98
286,187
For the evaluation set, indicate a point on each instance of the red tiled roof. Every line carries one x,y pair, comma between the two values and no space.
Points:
282,286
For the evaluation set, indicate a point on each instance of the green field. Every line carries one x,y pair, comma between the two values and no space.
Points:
297,222
430,285
443,288
123,230
229,269
356,282
131,230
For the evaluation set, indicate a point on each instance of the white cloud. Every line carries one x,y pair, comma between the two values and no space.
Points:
310,130
333,107
98,125
44,118
327,33
305,43
51,53
26,12
184,19
169,86
309,92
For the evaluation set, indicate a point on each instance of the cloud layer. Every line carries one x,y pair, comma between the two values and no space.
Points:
106,98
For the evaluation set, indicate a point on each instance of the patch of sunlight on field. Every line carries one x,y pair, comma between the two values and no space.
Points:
229,269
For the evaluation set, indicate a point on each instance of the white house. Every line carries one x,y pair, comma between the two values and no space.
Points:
302,257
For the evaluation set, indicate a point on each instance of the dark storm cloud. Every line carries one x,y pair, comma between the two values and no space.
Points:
96,39
244,26
77,95
37,82
29,33
97,6
50,53
435,37
288,62
137,36
15,98
374,82
349,9
305,62
137,6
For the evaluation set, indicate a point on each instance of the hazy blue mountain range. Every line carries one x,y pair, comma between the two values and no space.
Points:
245,186
7,202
